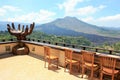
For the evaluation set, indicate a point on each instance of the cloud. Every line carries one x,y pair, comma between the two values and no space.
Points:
7,8
108,21
39,17
112,21
2,12
70,8
69,5
11,8
85,11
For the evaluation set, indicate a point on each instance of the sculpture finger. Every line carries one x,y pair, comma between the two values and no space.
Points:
23,28
19,27
13,26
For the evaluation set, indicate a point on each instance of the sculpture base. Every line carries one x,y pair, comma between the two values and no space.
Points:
20,50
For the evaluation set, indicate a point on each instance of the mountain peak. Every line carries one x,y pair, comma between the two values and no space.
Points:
68,17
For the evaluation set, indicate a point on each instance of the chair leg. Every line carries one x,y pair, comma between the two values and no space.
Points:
65,67
70,68
78,67
45,63
101,76
118,77
113,77
91,76
57,63
49,62
83,71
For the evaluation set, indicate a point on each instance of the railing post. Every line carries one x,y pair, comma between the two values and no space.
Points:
64,44
84,47
44,41
38,40
3,40
11,39
96,50
28,39
56,43
73,46
33,40
110,51
49,42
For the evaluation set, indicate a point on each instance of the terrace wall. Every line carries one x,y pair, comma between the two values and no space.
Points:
6,47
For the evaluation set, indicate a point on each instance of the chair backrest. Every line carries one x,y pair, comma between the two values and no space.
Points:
108,62
46,51
68,54
88,56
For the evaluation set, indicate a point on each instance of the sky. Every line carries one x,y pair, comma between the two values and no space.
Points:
96,12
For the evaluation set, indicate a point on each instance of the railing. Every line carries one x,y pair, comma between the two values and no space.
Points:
96,49
4,40
70,45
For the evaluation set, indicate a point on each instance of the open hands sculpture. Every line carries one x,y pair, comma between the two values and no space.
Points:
20,33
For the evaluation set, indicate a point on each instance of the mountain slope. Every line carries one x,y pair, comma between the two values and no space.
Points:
96,39
72,23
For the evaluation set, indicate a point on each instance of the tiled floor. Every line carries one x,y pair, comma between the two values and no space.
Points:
31,67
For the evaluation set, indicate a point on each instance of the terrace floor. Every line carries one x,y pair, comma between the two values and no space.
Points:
31,67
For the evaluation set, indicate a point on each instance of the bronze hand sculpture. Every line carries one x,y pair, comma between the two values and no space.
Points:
20,33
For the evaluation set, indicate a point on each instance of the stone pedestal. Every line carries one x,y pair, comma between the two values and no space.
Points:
20,49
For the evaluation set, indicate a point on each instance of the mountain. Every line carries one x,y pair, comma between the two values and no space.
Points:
96,39
71,26
3,25
74,24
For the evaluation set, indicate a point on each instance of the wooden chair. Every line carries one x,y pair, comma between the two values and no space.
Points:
108,65
88,62
70,61
49,58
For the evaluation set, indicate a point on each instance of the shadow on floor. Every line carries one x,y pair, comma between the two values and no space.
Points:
6,55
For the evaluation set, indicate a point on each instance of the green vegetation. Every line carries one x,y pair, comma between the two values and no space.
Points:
62,39
115,46
4,35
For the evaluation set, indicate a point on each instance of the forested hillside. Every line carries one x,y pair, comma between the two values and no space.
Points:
63,39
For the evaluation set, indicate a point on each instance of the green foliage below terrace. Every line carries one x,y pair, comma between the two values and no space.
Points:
62,39
4,35
115,46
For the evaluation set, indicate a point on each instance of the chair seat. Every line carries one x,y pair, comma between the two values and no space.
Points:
52,57
90,64
109,71
72,61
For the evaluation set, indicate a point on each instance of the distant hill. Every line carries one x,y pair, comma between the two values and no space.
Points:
71,26
74,24
96,39
3,25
